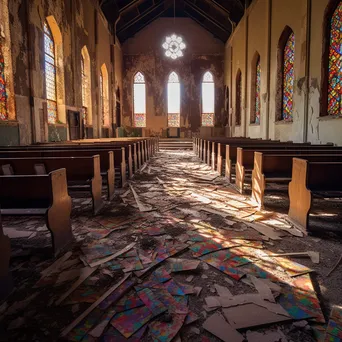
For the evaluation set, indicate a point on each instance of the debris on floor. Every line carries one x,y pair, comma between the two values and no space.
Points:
179,256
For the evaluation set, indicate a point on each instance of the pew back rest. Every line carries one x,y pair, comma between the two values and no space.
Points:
32,191
77,168
324,176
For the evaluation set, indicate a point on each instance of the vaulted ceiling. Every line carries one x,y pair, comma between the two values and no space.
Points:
217,16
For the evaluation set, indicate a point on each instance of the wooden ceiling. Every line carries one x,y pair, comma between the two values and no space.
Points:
217,16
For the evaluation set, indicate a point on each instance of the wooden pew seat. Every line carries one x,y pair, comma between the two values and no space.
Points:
308,179
277,168
45,195
84,172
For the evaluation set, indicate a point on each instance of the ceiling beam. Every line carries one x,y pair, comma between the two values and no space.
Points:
124,37
141,16
206,16
223,39
218,6
129,6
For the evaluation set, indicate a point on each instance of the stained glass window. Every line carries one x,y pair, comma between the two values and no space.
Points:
84,90
208,99
174,46
173,100
258,92
288,79
3,94
102,99
335,64
50,74
238,99
139,100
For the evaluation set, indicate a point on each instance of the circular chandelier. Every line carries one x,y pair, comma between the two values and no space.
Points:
173,46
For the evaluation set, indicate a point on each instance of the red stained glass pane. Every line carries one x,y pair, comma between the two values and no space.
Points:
3,94
335,64
288,79
258,92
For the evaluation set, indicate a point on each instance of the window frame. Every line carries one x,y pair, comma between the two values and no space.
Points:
134,112
169,81
202,111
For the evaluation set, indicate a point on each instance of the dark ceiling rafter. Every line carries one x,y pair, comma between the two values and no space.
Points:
216,16
139,17
206,15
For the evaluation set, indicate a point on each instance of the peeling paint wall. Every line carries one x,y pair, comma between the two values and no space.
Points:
81,23
144,53
292,13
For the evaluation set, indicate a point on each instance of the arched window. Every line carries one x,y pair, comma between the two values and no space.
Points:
285,76
256,90
50,74
3,93
208,99
139,101
173,100
288,78
335,63
86,86
238,98
104,95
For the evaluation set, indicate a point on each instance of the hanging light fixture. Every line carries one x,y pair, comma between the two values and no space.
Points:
174,45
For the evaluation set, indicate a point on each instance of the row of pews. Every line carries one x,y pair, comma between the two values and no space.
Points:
307,169
39,179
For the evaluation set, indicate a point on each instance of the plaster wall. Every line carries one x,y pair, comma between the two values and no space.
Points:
292,13
79,23
144,53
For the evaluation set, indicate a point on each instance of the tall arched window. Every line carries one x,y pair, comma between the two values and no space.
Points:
173,100
3,93
335,63
238,98
104,95
288,78
208,99
50,74
86,86
256,90
139,100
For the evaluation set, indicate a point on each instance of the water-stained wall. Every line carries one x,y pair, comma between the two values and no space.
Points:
144,53
77,24
264,22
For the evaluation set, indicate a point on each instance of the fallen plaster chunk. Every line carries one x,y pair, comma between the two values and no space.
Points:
113,256
314,256
84,274
213,211
268,336
249,298
265,230
142,207
201,198
218,326
93,306
222,291
189,279
263,289
180,265
56,266
252,315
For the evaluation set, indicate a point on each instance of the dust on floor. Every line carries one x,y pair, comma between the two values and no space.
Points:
178,255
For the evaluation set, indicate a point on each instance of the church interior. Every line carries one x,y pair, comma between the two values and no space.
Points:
170,170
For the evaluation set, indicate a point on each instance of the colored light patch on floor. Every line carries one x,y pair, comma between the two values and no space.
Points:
130,321
85,325
152,301
128,302
117,294
113,335
166,331
334,328
161,275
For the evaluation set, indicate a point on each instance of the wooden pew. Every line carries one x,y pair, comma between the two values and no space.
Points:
245,157
309,178
119,154
6,283
106,161
277,168
81,171
45,195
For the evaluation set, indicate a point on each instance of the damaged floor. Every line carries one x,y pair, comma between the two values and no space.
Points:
178,256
